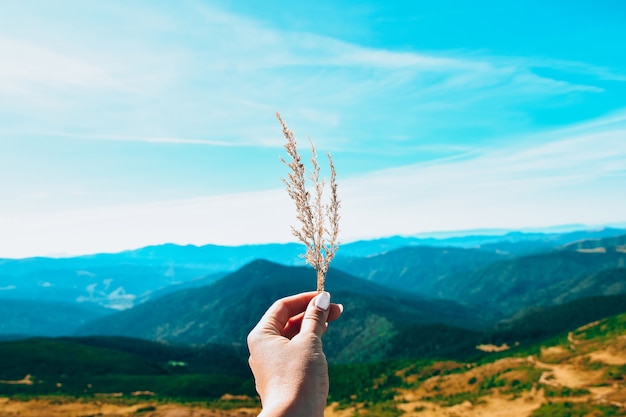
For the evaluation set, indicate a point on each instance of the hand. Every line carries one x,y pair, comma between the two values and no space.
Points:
286,356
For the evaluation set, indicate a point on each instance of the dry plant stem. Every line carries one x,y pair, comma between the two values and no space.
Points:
319,222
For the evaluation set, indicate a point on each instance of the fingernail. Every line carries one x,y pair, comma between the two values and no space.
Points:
340,308
322,300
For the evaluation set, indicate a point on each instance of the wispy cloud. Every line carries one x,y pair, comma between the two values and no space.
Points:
222,68
144,139
553,178
115,228
27,63
468,138
600,72
560,177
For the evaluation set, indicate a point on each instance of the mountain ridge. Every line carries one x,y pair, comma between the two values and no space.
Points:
124,279
225,311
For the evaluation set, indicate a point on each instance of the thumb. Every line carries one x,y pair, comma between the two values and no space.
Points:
316,314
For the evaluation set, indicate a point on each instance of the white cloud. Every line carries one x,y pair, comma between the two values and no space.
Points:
226,219
221,69
574,175
571,176
195,75
24,62
148,139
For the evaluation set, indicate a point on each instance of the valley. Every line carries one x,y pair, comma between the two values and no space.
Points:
520,324
578,373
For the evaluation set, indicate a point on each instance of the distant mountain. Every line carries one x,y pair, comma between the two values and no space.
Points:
606,282
192,283
503,241
45,318
225,311
417,267
607,244
122,280
115,286
216,258
119,281
519,243
536,280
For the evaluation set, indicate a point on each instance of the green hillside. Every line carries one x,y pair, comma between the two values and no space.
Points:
436,341
530,281
416,268
380,323
86,367
538,324
606,282
577,373
56,357
210,358
226,311
529,374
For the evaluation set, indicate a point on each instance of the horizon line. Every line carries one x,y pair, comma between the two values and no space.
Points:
431,235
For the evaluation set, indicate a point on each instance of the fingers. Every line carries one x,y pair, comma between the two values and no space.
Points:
316,315
285,316
278,315
294,324
335,312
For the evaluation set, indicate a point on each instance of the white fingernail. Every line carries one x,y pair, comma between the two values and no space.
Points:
323,300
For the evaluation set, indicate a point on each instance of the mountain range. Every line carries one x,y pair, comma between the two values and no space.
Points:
122,280
225,311
402,298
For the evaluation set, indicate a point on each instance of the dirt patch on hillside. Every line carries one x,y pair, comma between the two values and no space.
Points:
494,406
333,410
554,353
607,357
570,376
593,250
493,348
579,372
27,380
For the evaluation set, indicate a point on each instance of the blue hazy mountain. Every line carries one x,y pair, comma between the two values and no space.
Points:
45,318
122,280
504,274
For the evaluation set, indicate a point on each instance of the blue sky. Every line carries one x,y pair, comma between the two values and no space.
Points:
124,124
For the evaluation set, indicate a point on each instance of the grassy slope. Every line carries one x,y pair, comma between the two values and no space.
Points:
579,372
535,280
87,366
416,268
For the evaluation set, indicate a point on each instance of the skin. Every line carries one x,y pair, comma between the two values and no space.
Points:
286,356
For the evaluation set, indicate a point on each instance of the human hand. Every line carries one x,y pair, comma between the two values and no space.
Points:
286,355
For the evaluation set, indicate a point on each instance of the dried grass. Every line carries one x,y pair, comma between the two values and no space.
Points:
319,221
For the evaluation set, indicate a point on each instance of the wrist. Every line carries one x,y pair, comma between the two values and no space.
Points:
289,413
293,408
